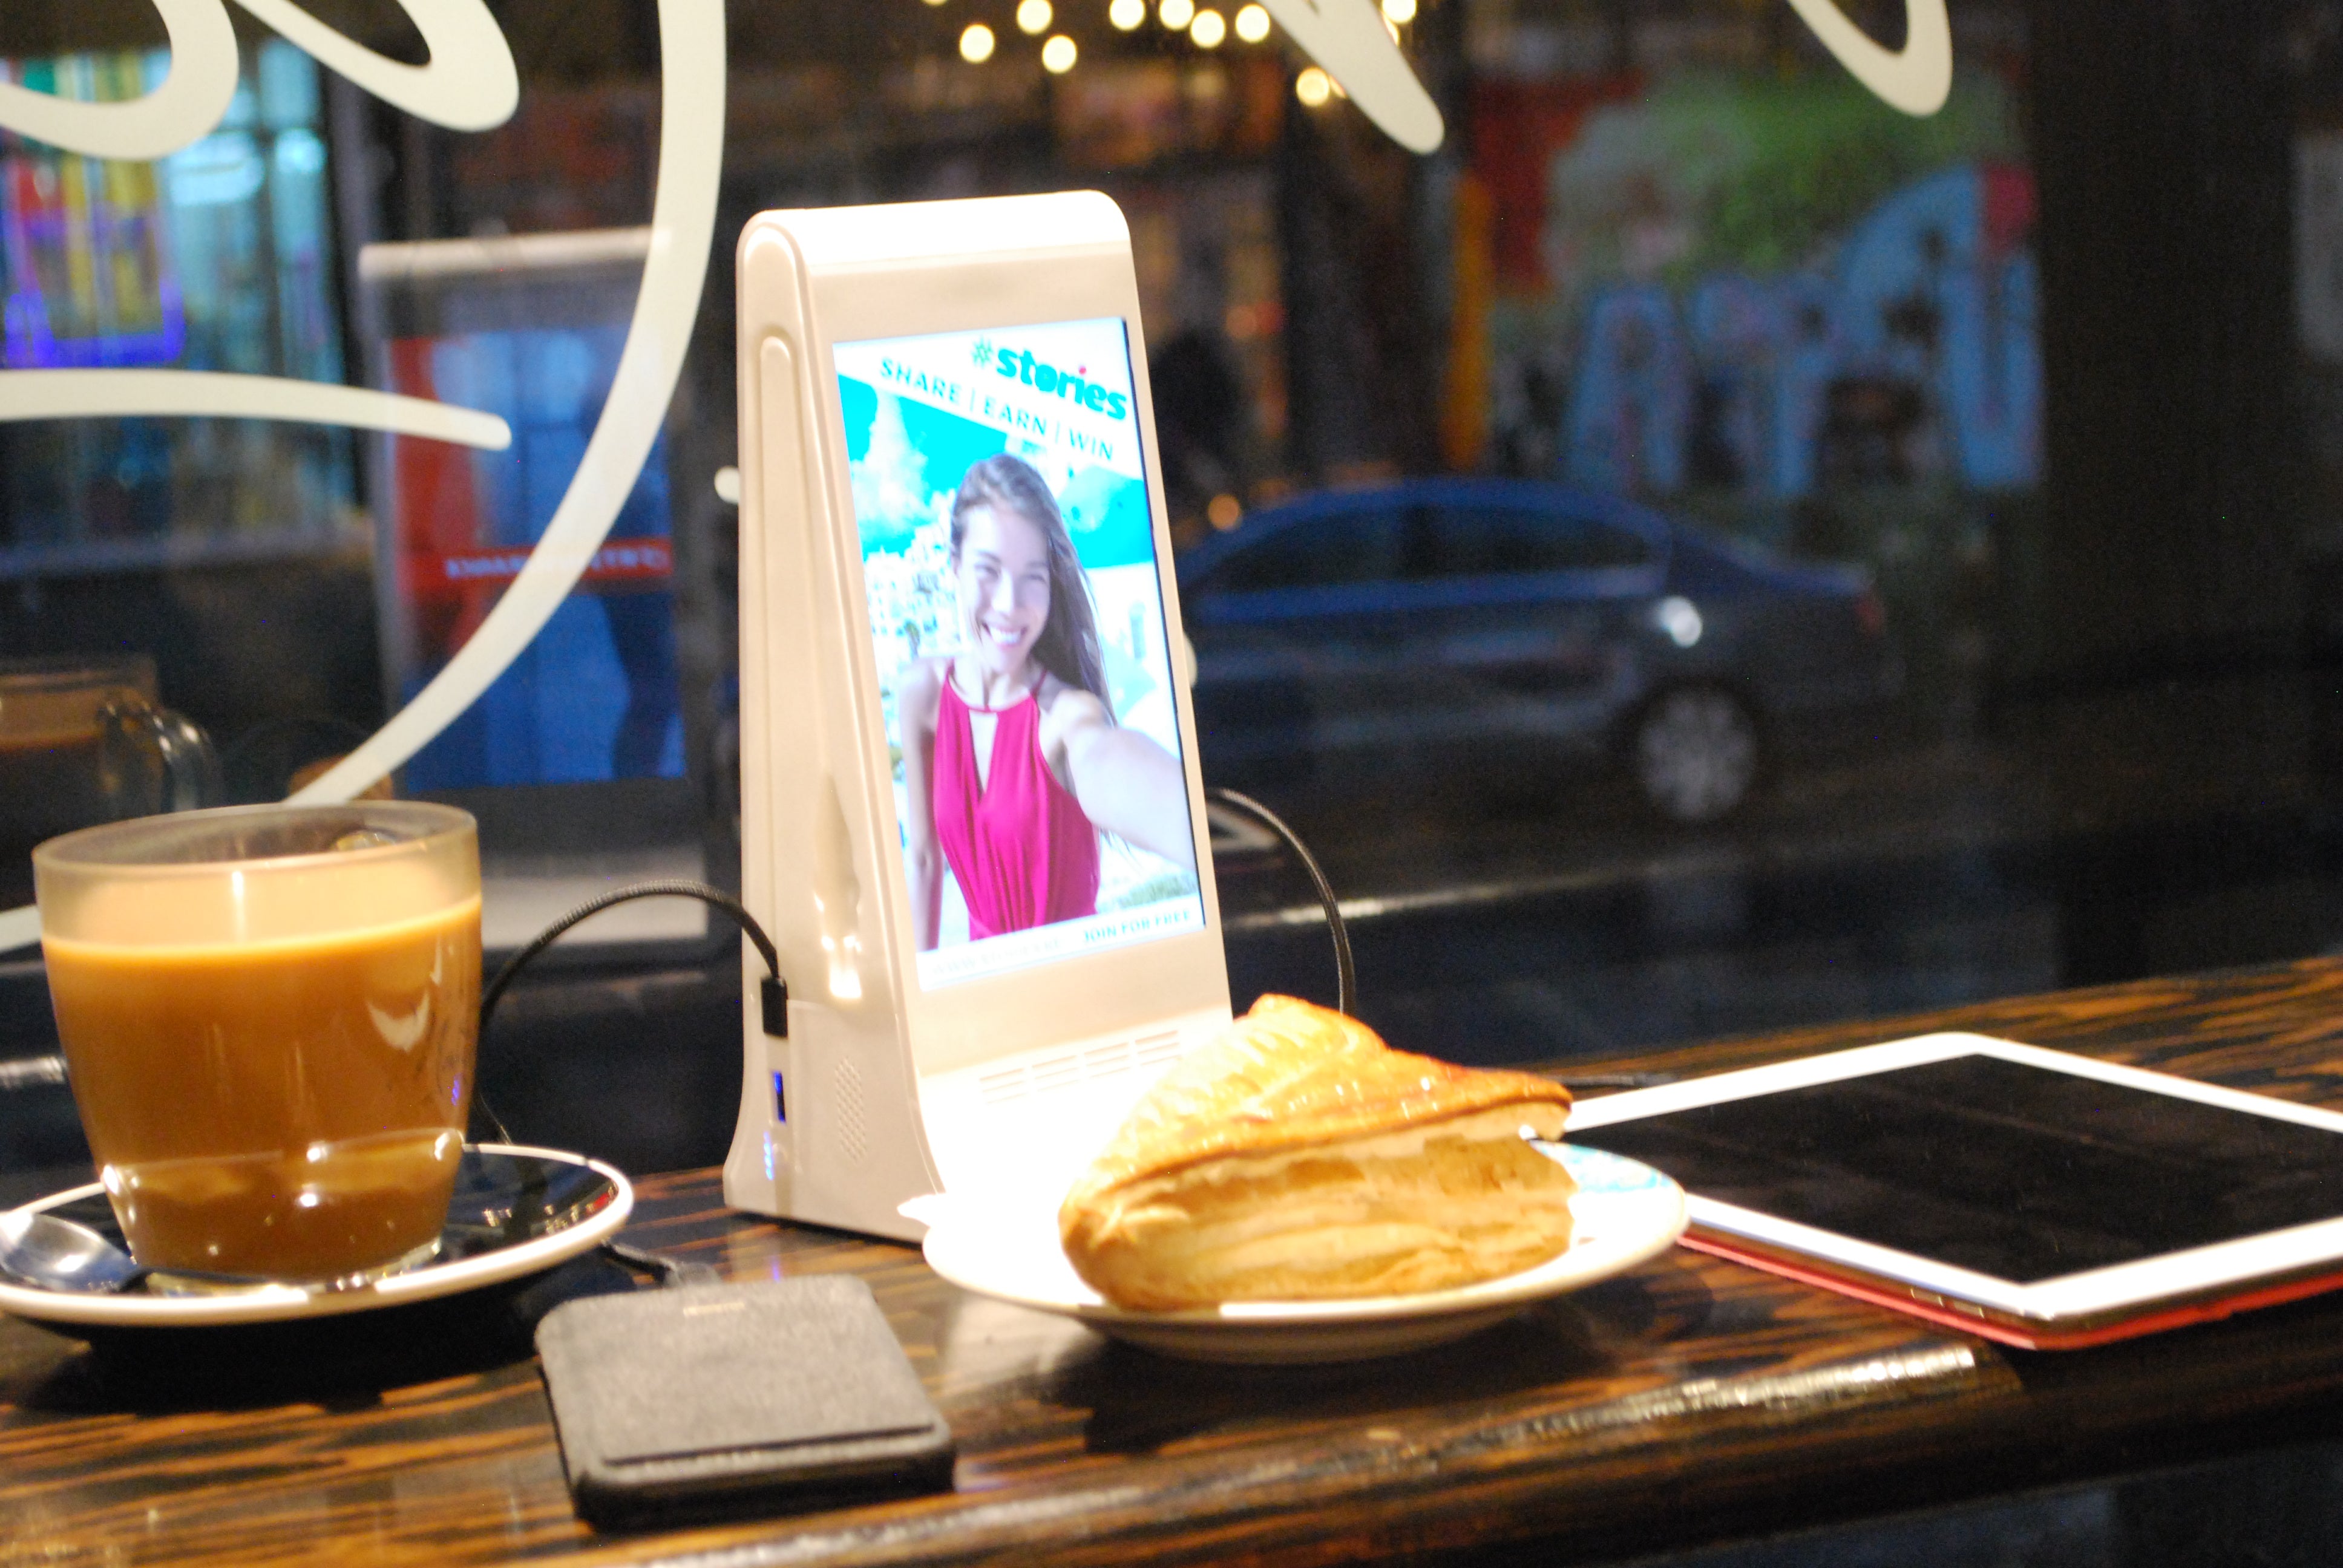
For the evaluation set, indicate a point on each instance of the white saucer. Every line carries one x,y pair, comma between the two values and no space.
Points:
1625,1213
516,1211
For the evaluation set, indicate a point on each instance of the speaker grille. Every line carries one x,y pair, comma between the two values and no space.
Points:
846,1105
1070,1069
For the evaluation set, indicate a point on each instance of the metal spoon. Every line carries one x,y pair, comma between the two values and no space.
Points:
52,1255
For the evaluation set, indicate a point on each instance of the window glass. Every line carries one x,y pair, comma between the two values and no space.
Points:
1509,541
529,329
1333,549
221,256
1996,455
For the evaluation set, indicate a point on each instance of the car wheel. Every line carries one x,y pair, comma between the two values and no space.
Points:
1694,753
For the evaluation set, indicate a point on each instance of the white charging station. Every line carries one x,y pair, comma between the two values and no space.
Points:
912,1065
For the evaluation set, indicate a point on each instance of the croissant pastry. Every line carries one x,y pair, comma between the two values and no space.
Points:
1299,1158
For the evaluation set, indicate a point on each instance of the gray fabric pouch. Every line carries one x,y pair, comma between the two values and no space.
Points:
720,1401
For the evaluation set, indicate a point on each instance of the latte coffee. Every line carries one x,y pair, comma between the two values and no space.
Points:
271,1051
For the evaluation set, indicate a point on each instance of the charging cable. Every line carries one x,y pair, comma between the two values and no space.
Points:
774,992
1346,978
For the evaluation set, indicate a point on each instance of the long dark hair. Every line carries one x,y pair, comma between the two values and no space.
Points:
1067,646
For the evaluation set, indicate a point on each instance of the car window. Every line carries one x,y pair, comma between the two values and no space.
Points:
1335,550
1484,540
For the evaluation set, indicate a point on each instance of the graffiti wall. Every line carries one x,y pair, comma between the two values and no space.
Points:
1738,285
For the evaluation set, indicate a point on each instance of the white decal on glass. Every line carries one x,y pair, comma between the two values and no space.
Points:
1915,79
683,230
1347,38
193,96
222,395
470,83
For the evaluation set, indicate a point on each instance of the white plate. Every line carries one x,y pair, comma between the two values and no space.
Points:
1625,1213
516,1211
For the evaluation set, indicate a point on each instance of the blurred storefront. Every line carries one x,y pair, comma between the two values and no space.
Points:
2050,382
222,256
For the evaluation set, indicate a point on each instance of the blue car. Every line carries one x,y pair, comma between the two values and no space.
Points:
1437,614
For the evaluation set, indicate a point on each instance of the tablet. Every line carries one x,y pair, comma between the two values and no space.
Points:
2036,1198
972,813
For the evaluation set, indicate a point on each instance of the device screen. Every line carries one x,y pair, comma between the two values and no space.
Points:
1997,1167
1017,610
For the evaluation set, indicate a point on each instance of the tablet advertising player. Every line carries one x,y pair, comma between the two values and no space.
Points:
1016,614
973,818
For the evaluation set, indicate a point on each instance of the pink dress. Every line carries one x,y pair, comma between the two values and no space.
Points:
1018,844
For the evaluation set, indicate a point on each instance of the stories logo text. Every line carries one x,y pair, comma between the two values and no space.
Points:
1018,365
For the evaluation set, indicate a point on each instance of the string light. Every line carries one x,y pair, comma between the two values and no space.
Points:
1176,13
935,2
1391,27
1058,55
1033,16
1127,14
1313,88
1208,29
1400,10
1251,25
976,44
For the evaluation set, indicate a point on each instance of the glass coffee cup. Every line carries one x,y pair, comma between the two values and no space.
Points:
83,741
269,1015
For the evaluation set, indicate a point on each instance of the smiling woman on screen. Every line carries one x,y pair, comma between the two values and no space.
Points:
1013,763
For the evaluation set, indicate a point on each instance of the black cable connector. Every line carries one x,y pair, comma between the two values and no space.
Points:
773,996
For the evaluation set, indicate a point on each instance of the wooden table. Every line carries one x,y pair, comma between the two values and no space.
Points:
1689,1401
